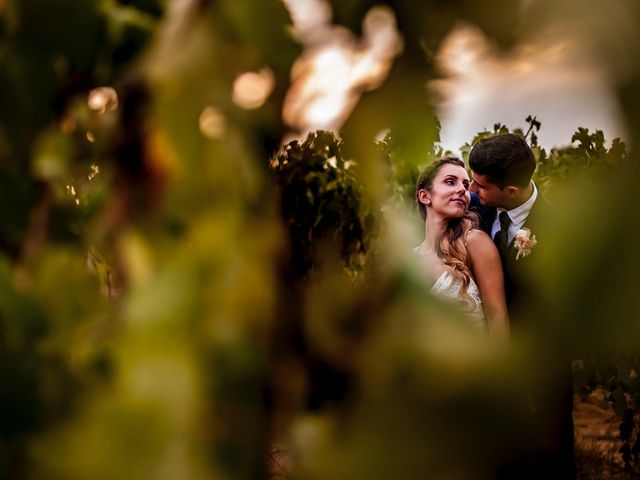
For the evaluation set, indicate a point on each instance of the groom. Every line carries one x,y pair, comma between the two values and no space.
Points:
508,201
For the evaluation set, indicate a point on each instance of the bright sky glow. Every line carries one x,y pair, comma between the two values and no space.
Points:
212,123
102,100
336,66
251,89
549,77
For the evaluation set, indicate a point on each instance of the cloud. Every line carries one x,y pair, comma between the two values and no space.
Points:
549,76
336,67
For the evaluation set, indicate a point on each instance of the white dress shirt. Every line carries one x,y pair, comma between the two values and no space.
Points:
517,215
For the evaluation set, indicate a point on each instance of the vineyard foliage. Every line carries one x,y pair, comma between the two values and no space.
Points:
178,293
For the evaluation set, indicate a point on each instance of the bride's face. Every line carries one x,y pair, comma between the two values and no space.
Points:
449,193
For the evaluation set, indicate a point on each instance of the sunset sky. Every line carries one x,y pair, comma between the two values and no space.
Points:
550,80
548,76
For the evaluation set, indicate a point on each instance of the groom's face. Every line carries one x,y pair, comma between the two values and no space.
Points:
488,193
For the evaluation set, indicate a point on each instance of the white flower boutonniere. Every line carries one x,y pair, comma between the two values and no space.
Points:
524,242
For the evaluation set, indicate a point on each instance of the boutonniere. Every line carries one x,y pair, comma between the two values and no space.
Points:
524,242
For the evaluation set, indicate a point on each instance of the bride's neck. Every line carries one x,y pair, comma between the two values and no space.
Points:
433,229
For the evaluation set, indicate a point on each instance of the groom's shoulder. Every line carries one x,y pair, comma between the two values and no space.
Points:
541,209
542,217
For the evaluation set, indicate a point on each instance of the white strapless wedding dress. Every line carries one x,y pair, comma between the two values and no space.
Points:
450,288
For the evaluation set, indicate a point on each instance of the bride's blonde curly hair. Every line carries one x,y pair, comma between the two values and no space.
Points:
451,246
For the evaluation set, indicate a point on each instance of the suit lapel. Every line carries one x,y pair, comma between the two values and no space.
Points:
530,221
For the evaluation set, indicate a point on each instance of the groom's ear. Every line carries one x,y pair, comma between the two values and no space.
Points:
511,190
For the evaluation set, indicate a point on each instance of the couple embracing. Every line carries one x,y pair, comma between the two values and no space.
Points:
478,235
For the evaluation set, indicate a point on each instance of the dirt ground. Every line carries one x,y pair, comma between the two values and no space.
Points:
596,439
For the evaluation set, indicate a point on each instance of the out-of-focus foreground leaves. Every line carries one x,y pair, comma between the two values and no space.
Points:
151,322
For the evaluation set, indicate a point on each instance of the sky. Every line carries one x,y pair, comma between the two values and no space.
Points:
336,66
548,76
551,80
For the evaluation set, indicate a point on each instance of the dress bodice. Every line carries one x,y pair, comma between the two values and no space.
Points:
449,287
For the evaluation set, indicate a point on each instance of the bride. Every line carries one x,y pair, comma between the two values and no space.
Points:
460,261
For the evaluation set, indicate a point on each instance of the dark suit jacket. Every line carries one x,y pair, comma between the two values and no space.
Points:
555,458
517,284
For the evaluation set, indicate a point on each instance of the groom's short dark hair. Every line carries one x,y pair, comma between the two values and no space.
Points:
504,159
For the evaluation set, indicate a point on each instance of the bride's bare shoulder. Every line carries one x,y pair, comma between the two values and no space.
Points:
479,242
477,236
